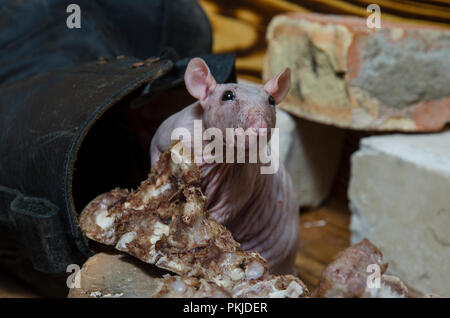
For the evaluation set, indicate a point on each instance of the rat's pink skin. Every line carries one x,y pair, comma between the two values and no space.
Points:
261,210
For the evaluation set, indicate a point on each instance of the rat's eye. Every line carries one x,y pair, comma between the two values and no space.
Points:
228,95
271,100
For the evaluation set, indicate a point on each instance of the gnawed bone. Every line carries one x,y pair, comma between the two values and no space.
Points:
164,223
359,271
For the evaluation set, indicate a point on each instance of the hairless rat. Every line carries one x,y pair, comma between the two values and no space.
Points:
261,210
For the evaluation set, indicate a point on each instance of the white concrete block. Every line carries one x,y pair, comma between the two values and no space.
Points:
400,200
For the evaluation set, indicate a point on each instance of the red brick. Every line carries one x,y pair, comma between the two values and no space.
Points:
345,74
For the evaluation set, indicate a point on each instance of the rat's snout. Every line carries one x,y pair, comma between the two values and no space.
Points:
257,122
258,127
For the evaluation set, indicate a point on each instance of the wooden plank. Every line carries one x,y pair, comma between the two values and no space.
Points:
324,232
410,9
309,270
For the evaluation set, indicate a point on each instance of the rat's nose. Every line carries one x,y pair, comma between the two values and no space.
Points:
257,126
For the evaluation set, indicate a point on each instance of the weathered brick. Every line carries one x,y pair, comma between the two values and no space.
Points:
345,74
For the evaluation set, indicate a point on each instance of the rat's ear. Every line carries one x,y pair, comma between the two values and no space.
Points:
198,79
279,86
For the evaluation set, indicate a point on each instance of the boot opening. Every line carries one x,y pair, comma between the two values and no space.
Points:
116,150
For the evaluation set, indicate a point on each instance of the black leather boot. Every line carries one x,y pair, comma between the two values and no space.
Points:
69,133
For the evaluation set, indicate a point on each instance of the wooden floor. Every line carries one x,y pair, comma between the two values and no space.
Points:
324,232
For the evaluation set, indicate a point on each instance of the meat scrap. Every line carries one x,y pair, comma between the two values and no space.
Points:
347,275
352,274
164,223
